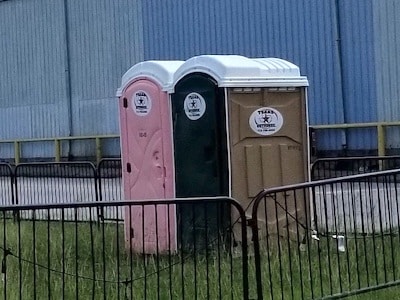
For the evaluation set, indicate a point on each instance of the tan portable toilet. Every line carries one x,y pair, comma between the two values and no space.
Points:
268,128
265,107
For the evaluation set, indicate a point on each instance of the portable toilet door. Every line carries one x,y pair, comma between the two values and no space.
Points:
199,126
147,156
269,142
200,154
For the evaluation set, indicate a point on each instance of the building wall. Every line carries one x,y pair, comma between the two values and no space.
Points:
306,32
105,39
387,53
33,100
358,69
62,60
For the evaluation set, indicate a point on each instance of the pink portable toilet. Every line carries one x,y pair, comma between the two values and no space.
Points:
147,155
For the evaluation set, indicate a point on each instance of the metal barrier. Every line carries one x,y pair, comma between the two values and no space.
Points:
109,175
6,184
325,239
58,144
380,129
325,168
328,239
98,139
49,183
62,182
43,259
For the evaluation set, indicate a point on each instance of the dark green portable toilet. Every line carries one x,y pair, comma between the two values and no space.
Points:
200,142
199,138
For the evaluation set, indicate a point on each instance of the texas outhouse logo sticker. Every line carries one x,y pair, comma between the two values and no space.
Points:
141,103
194,106
266,121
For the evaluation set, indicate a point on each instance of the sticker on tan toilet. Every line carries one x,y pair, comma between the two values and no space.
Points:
266,121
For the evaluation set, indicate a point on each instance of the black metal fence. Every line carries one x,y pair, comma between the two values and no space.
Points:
325,168
325,239
7,194
328,239
43,259
109,179
62,182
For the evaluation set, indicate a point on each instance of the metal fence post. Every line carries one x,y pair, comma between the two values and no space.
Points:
256,245
17,152
57,150
98,150
381,144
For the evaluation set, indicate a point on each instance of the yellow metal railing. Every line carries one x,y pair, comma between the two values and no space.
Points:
380,127
58,144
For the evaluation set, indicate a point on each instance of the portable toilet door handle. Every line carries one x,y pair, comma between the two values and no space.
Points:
157,161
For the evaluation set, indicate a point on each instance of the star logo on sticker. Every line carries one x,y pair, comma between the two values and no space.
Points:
267,119
193,104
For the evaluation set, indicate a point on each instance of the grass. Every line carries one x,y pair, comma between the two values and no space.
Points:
321,270
72,260
54,260
392,293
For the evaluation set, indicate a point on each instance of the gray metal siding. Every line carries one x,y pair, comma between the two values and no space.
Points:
300,31
305,32
105,40
355,83
358,61
32,81
97,42
387,50
32,61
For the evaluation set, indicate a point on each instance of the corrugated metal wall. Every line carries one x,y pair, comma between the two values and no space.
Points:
387,49
105,39
62,55
297,30
305,32
33,99
358,65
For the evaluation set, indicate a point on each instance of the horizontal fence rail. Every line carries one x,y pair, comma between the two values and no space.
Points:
43,259
379,126
65,234
7,194
328,239
109,174
57,144
44,183
62,182
325,168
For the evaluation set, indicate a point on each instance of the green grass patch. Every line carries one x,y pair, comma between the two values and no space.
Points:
89,261
320,269
54,260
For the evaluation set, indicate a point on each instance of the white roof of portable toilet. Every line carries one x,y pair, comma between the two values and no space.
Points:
159,71
240,71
